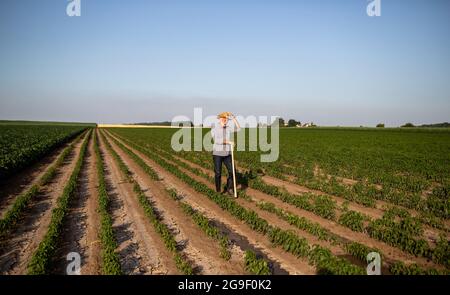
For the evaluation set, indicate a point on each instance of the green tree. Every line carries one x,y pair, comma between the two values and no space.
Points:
281,122
408,125
292,123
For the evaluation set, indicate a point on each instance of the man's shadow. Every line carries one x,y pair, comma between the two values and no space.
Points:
243,179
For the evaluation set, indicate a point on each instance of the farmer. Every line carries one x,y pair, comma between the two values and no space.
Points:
221,133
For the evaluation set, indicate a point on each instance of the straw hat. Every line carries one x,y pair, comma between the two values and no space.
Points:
223,115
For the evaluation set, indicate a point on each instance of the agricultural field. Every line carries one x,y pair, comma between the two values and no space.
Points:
128,204
22,142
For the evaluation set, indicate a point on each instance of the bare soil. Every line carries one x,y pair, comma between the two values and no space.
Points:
17,248
140,248
22,181
82,222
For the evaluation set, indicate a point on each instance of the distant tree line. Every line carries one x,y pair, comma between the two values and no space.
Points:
437,125
411,125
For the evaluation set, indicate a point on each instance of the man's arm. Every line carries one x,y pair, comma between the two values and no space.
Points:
236,123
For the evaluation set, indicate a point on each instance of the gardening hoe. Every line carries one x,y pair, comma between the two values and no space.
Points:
234,173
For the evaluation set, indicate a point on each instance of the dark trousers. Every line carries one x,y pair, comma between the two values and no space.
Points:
218,171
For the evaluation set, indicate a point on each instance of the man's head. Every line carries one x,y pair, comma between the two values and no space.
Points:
223,117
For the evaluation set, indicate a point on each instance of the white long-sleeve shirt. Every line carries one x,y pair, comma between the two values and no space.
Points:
220,134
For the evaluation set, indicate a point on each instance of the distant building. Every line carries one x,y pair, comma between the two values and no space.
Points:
300,125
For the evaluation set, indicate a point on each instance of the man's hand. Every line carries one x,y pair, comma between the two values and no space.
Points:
228,142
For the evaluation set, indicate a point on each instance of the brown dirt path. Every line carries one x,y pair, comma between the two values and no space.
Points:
82,222
141,249
19,183
17,248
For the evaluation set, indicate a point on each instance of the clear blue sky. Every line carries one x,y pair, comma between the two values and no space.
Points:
131,61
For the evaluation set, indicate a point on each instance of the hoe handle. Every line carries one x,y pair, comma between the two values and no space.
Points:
234,173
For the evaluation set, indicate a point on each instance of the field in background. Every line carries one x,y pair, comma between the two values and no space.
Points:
127,203
45,123
23,142
130,126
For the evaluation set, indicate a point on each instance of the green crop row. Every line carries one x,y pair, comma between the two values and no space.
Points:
299,222
362,194
321,205
366,194
13,215
355,249
170,158
285,239
400,167
399,229
110,259
255,265
199,219
329,264
441,253
22,145
248,216
360,251
139,161
41,259
51,172
353,220
302,201
160,227
205,225
399,268
433,208
398,234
